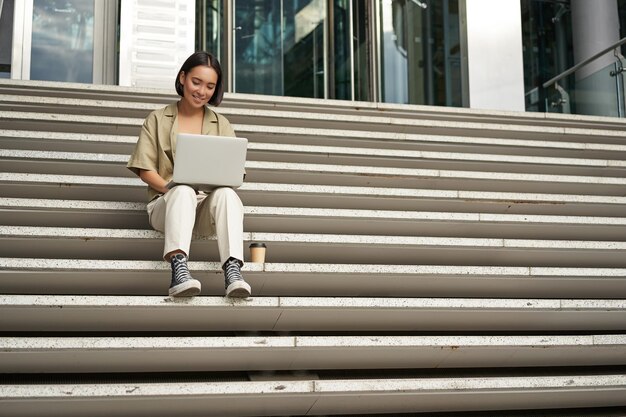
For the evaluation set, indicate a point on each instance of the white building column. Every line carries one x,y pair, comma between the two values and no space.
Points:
495,62
595,27
156,36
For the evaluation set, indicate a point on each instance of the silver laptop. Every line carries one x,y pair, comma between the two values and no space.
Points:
208,162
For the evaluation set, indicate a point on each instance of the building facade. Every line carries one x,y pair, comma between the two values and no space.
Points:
484,54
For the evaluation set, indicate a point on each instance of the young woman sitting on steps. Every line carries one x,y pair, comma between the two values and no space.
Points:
180,212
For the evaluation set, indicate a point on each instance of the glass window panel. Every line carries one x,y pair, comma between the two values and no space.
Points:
549,45
547,48
621,7
420,52
393,51
62,41
303,48
279,47
340,54
258,47
591,95
362,40
6,37
447,72
210,27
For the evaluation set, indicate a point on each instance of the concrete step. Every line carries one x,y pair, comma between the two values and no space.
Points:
113,214
315,397
241,353
61,122
334,155
380,140
45,162
403,158
20,185
30,89
91,187
134,277
88,243
308,117
67,142
58,313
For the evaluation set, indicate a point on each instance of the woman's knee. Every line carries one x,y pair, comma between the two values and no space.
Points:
225,192
182,191
226,195
181,194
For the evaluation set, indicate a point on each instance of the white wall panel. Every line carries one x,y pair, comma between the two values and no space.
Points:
495,60
156,36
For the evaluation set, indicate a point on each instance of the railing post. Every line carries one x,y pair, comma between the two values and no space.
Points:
618,73
563,101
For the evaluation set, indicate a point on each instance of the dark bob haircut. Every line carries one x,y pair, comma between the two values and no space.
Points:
207,60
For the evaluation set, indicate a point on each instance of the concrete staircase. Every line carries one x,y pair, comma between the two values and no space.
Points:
419,259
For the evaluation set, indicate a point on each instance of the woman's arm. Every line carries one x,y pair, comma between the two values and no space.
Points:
154,180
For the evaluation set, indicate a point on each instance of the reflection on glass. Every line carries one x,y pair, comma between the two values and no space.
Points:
340,54
303,48
420,49
279,47
209,27
547,48
598,94
395,56
62,42
548,51
621,10
6,37
362,53
258,47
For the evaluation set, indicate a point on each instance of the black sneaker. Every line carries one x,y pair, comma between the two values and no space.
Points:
183,285
235,285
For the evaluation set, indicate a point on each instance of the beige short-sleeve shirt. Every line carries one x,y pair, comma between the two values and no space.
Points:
156,146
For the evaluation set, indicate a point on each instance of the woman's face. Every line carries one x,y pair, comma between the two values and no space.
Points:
198,85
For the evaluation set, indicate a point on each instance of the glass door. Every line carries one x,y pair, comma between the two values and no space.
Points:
350,50
67,40
302,48
420,52
279,47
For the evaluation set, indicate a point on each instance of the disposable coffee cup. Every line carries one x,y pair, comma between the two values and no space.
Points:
257,252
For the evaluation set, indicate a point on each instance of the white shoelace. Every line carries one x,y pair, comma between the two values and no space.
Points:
181,271
233,272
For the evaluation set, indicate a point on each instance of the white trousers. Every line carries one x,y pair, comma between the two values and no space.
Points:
180,213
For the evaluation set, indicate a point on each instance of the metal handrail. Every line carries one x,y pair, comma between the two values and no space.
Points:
583,63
